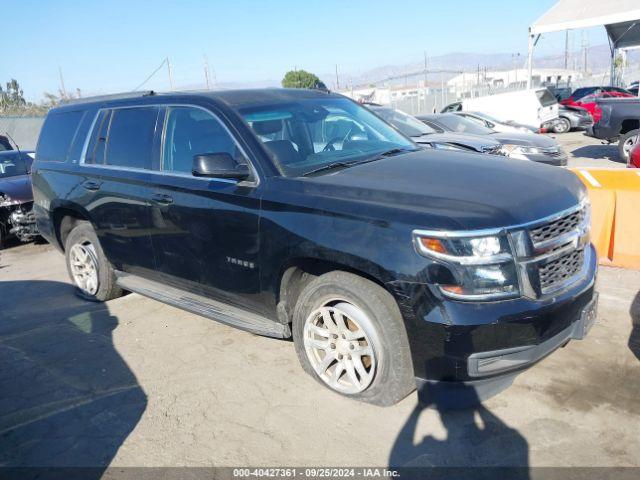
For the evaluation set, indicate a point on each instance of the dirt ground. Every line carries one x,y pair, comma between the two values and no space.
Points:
134,382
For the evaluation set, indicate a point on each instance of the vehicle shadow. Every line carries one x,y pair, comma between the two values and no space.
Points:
67,398
599,152
489,450
634,338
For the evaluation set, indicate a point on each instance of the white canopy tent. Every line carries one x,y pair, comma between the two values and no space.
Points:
621,19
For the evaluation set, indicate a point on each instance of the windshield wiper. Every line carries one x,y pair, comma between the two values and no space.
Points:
329,166
334,165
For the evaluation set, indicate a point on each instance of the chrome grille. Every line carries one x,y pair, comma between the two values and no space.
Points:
560,270
493,150
558,227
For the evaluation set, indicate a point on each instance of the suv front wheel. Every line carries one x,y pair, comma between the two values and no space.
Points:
89,269
349,335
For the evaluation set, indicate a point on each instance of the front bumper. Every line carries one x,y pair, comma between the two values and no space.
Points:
495,362
458,341
502,365
22,222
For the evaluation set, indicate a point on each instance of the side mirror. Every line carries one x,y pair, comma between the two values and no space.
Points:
219,165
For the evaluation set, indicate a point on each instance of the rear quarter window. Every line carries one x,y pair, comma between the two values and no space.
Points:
546,98
57,135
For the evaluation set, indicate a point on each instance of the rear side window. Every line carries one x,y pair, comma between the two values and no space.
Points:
123,137
130,137
57,135
546,98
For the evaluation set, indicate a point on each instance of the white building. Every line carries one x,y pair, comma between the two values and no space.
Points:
513,78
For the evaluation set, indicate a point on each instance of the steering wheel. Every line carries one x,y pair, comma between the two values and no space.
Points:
329,147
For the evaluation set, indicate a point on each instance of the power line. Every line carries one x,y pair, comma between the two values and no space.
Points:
152,74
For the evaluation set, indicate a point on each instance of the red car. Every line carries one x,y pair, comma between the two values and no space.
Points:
634,155
588,102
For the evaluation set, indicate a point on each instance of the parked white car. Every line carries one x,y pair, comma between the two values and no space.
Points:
532,108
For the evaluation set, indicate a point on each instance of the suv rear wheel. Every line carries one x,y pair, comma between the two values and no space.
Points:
349,335
626,143
89,269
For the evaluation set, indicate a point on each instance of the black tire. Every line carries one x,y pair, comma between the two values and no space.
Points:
107,287
562,125
624,139
393,378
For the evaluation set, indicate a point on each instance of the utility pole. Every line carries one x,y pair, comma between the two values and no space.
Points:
337,79
63,90
170,74
584,52
566,49
206,72
425,69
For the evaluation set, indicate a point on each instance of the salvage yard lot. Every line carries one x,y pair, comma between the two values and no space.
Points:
135,382
586,151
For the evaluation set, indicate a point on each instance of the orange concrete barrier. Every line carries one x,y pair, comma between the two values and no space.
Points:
615,214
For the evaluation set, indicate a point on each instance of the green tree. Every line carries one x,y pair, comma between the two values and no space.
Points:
12,98
299,79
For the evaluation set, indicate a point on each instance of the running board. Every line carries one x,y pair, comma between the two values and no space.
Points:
206,307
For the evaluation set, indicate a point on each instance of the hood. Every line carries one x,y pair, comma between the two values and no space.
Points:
527,139
446,189
17,188
476,142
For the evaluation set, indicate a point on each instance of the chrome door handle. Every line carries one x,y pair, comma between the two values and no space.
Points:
162,199
91,185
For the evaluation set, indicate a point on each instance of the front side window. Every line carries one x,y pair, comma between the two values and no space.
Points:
191,131
304,135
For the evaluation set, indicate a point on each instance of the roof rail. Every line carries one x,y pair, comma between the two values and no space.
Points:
113,96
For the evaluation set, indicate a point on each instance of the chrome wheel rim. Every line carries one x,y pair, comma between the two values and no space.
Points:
628,145
84,267
339,343
563,126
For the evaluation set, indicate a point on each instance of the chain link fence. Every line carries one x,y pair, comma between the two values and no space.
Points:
24,130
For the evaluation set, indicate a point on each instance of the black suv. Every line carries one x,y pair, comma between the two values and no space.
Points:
299,213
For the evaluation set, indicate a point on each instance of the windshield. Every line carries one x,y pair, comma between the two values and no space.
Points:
12,166
308,134
486,117
459,124
408,125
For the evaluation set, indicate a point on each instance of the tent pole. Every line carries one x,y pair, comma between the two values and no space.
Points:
530,61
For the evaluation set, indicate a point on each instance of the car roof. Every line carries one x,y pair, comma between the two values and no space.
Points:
232,98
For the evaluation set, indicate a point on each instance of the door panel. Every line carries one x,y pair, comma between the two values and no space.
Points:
123,147
121,211
205,231
205,237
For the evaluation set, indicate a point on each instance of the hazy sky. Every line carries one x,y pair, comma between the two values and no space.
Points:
111,46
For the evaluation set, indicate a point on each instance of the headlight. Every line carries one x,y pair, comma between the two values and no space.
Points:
6,201
482,267
519,152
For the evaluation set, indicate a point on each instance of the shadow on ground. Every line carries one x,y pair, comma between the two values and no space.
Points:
67,397
634,338
478,444
598,152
